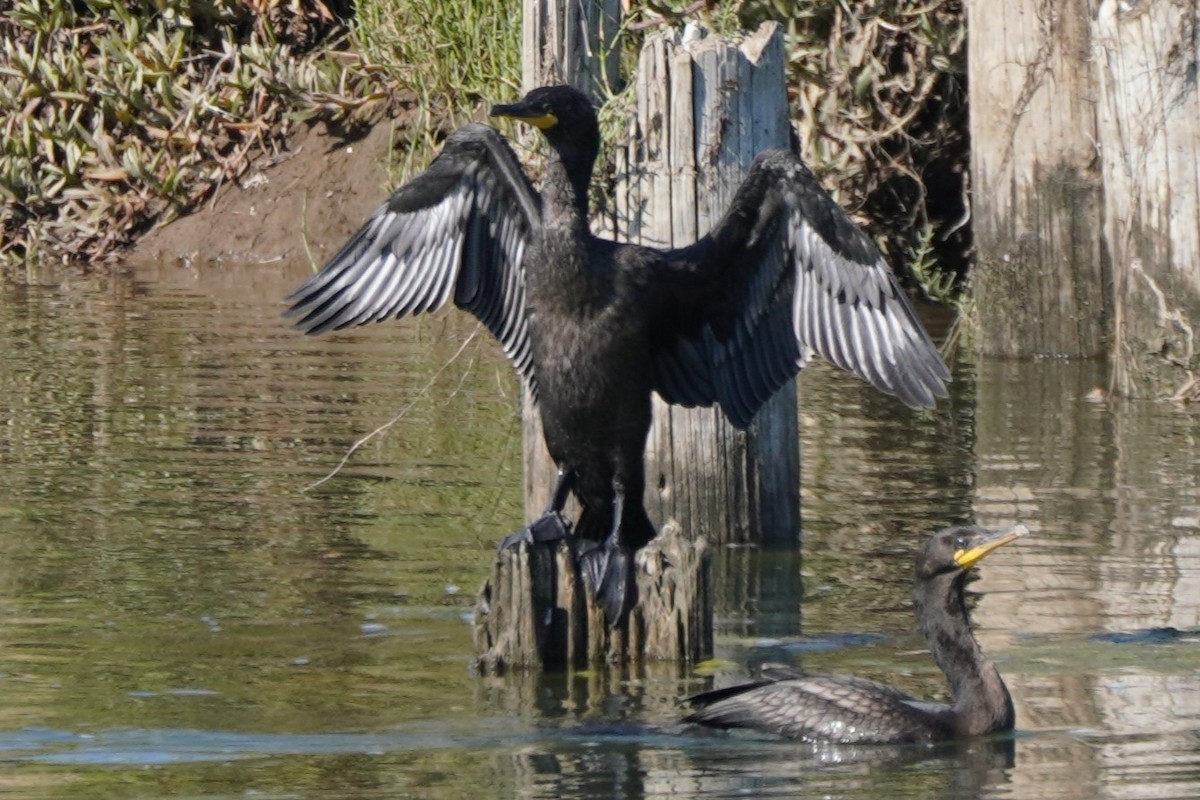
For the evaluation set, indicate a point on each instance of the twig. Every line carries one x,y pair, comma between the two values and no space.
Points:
668,16
403,412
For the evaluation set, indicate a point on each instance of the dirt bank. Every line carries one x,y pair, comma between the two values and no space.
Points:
301,205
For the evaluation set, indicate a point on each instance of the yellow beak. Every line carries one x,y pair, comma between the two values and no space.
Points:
541,120
971,556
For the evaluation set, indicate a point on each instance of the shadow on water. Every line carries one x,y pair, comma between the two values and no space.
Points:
177,617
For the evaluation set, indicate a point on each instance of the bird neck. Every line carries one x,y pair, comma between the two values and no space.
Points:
981,700
568,176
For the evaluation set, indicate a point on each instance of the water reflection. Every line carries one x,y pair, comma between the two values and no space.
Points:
172,599
760,769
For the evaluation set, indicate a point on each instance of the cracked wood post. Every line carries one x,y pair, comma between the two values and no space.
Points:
1040,269
1148,131
705,108
1086,184
534,612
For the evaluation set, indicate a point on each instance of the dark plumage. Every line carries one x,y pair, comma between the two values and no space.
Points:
845,709
594,326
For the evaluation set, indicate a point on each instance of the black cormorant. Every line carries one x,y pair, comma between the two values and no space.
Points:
594,326
849,710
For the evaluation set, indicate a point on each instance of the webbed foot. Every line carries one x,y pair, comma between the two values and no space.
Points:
607,571
549,527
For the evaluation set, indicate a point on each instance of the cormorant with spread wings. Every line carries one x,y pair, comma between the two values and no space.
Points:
594,326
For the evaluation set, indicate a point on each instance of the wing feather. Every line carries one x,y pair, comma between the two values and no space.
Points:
458,230
836,708
784,274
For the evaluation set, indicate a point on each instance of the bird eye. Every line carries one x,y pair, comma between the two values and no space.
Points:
960,543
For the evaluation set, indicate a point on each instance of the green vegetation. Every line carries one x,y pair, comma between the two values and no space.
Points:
116,114
455,57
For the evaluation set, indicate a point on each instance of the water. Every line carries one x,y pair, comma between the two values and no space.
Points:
178,617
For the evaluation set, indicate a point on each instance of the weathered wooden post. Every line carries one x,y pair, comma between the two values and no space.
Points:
1040,273
1085,140
705,108
1144,57
570,42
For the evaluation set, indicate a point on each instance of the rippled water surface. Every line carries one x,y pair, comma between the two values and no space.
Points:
178,617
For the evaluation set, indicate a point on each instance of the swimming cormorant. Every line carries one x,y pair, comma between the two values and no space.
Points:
849,710
594,326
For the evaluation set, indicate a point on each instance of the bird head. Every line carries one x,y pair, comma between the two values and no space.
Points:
959,548
562,113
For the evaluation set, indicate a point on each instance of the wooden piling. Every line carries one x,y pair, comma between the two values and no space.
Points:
570,42
1041,271
728,485
535,612
1086,186
1148,129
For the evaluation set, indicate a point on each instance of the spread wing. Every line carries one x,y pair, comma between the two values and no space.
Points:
458,230
784,274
